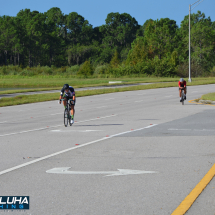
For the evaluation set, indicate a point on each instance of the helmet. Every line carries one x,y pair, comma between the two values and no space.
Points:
66,86
181,80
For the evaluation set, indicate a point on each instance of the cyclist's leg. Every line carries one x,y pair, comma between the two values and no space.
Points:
179,92
72,110
65,100
185,93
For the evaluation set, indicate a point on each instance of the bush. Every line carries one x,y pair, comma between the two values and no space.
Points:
73,70
213,72
86,69
101,69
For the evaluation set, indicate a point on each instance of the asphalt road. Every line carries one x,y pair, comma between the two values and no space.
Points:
74,170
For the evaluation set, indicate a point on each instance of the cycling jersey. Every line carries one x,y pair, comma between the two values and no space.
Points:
70,93
182,84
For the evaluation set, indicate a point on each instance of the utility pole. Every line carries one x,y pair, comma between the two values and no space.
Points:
189,80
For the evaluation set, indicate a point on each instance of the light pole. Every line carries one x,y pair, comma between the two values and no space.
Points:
199,1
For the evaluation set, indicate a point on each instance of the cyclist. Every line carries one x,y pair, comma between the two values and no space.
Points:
182,86
68,92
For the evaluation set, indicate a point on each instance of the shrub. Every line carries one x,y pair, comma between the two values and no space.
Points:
73,70
101,69
86,69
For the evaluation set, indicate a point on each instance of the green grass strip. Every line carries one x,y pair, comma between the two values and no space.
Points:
209,96
25,99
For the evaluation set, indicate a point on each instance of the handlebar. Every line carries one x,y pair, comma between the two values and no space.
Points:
68,100
71,100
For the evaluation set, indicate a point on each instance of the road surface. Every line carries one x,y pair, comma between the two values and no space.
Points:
137,152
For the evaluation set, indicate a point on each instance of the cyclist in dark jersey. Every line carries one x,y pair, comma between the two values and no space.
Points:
68,92
182,86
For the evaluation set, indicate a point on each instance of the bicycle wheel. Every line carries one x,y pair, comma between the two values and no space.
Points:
69,116
182,96
66,120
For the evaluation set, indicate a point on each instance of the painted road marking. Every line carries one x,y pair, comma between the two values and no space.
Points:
175,129
3,122
2,135
101,107
189,200
139,101
70,149
194,102
74,130
55,114
64,170
21,132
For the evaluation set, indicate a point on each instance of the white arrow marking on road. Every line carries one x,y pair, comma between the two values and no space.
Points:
64,170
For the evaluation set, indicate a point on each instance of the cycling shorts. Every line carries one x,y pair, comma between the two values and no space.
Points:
68,97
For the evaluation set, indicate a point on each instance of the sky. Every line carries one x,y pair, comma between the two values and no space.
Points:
95,11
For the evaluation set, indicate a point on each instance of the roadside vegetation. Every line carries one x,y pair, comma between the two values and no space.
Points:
209,96
43,51
57,44
25,99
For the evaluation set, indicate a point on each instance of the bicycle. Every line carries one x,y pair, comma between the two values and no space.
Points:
67,112
182,96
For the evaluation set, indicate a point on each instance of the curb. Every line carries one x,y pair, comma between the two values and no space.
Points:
203,102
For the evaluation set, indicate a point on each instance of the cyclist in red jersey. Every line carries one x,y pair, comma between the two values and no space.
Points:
182,86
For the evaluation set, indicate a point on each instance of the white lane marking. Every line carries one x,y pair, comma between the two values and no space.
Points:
132,131
139,101
21,132
69,149
169,96
55,126
109,99
24,110
74,130
101,107
175,129
3,122
102,117
55,114
64,170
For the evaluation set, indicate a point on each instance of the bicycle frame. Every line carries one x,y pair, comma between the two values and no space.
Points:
182,96
67,112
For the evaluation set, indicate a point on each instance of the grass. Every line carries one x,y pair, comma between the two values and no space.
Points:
55,82
25,99
209,96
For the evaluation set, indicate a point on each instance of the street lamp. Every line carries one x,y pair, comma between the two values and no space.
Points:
199,1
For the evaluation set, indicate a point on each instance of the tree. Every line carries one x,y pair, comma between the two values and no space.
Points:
115,60
119,30
7,37
202,43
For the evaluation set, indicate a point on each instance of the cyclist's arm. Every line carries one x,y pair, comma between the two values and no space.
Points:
61,94
179,85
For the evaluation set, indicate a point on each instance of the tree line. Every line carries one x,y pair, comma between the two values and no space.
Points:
120,47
